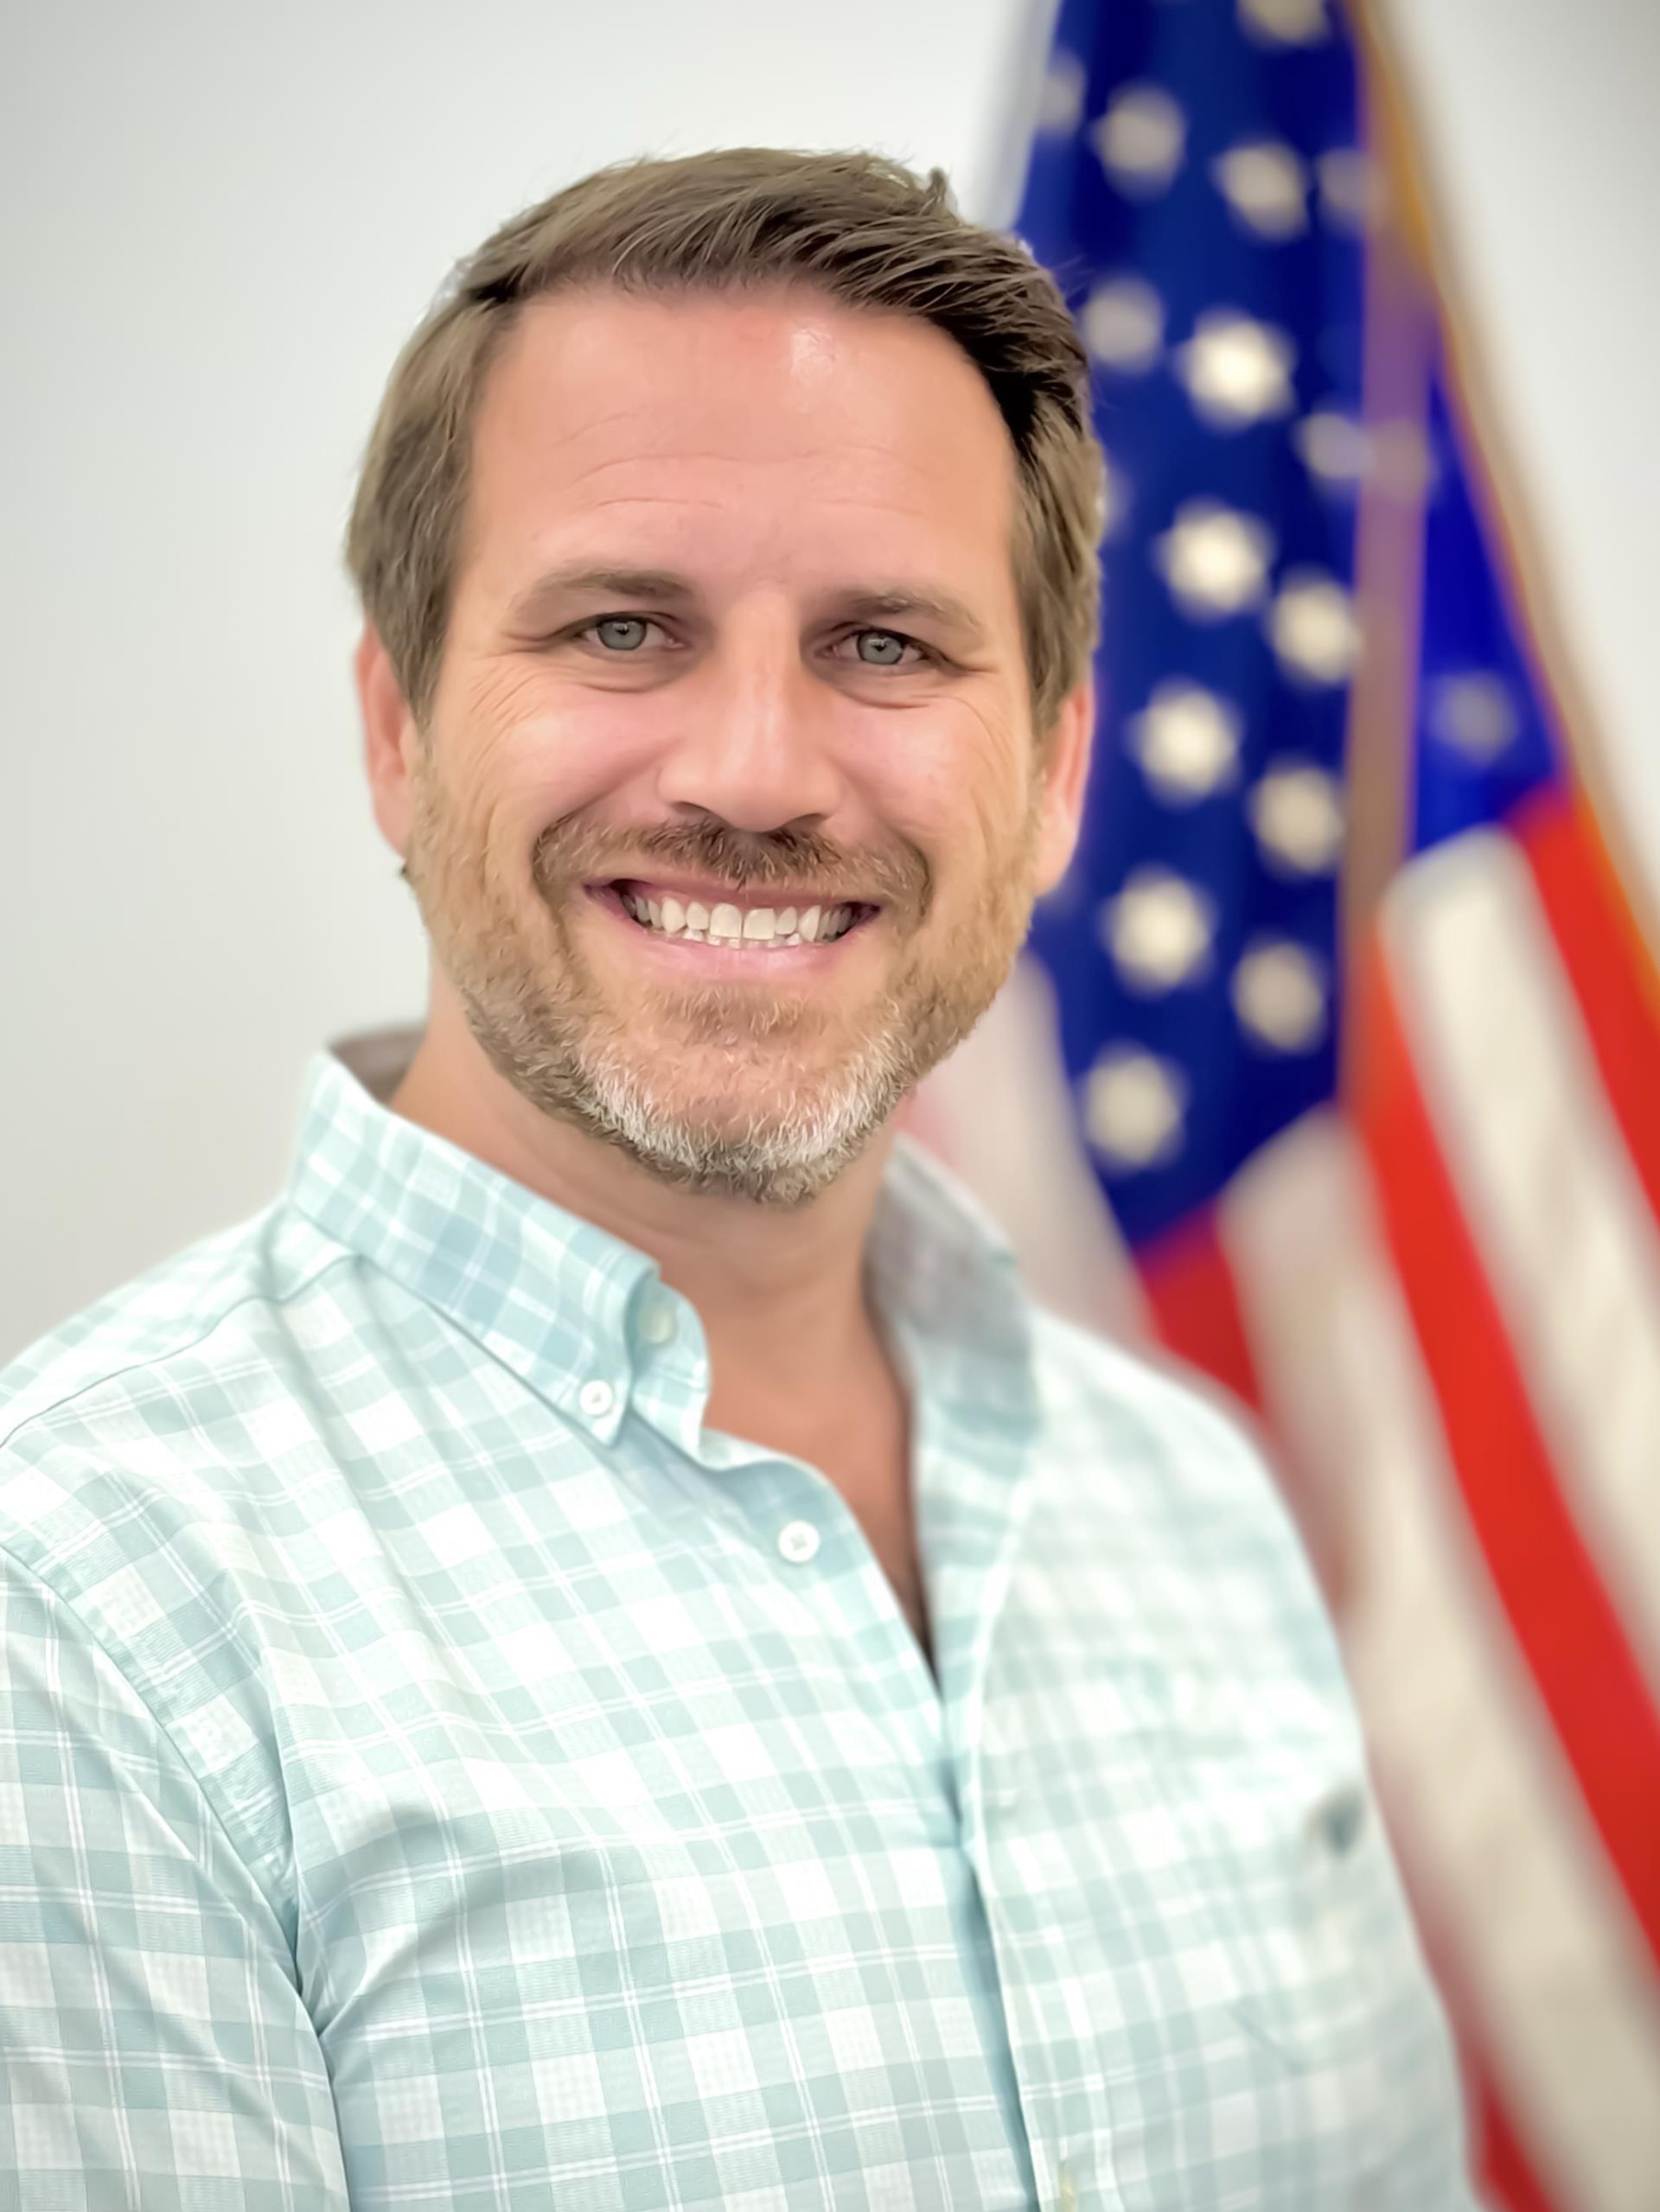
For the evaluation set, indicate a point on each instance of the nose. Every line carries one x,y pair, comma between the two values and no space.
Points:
753,736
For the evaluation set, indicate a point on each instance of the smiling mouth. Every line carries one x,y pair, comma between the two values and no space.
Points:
739,925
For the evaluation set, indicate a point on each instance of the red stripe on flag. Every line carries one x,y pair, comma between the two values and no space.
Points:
1190,1292
1609,965
1501,2165
1569,1632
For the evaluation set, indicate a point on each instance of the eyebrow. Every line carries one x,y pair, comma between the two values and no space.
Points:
863,603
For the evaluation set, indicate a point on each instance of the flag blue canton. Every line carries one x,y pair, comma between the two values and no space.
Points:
1198,187
1484,734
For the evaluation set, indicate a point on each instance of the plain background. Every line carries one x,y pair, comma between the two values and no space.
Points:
222,220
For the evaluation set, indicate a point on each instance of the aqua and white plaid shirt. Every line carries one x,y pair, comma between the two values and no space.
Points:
434,1770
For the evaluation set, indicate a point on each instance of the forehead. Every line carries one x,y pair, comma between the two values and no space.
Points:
767,436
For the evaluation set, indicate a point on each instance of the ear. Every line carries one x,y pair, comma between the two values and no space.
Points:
391,739
1065,773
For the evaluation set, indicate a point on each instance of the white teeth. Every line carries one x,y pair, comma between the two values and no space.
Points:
760,928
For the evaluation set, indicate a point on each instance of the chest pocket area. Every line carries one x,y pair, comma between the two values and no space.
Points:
1314,1953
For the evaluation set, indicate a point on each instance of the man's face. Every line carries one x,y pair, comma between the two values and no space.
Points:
721,855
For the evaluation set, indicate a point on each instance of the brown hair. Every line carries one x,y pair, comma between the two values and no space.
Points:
861,229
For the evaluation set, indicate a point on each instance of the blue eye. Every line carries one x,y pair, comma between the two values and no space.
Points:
616,650
893,637
617,621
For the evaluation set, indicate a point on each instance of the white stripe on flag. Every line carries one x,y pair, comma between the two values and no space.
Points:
1566,2006
1565,1233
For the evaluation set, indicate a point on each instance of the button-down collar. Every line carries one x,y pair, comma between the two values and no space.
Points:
548,1294
573,1309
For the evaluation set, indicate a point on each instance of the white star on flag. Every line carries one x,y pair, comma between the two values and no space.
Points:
1158,929
1141,139
1279,996
1285,22
1474,713
1313,629
1296,810
1060,106
1123,325
1187,741
1332,446
1236,370
1215,559
1265,186
1133,1102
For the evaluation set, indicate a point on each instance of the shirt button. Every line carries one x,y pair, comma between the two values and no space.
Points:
657,1324
798,1541
1068,2198
596,1399
1336,1820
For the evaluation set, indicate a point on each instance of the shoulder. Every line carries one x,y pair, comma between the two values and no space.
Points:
1096,1391
1151,1473
150,1387
230,1279
144,1515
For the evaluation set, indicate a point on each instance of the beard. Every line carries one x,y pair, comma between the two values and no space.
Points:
721,1088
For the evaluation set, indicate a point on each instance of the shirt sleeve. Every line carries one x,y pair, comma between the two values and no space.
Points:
155,2048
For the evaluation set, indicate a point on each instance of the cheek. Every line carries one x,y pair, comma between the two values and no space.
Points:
540,758
960,788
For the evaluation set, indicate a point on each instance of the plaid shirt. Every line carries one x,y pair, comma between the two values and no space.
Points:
436,1770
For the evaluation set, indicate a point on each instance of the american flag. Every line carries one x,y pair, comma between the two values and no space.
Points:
1330,1067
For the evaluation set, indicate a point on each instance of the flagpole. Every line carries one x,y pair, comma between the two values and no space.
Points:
1418,207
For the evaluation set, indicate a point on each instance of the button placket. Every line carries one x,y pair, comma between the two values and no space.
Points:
998,1790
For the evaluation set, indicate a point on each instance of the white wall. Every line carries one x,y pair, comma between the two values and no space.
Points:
221,222
1541,124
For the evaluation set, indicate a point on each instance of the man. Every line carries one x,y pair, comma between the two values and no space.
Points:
599,1653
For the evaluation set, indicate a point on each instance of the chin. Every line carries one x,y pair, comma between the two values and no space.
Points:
785,1155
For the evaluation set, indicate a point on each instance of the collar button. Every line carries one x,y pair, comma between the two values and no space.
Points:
656,1322
798,1541
596,1399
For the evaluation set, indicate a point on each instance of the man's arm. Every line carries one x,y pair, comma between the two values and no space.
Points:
154,2047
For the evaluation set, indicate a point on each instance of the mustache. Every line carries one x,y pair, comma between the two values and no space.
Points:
743,860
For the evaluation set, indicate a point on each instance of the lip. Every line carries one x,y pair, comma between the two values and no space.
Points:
680,958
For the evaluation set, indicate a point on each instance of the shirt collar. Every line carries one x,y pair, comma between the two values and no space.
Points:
939,1264
560,1301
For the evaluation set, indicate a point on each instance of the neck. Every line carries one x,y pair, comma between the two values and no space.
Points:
780,1293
